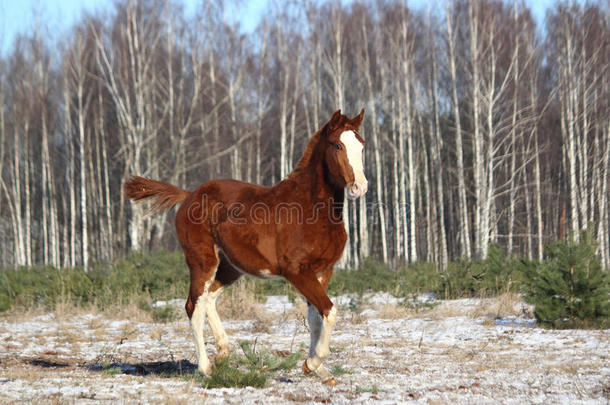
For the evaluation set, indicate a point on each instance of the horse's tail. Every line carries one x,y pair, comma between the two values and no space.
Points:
164,195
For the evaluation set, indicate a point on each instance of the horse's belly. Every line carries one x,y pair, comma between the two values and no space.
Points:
251,268
250,252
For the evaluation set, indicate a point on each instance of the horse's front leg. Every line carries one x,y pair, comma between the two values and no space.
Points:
321,316
321,327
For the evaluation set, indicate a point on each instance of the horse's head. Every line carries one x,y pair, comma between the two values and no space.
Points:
344,153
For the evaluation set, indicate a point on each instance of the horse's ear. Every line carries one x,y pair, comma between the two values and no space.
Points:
334,120
357,120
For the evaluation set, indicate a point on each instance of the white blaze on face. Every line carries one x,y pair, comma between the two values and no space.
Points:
353,148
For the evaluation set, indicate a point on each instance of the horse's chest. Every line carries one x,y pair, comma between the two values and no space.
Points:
333,238
319,244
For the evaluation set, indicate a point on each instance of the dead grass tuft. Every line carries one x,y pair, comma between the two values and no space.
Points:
262,324
299,311
158,332
392,311
22,315
129,311
24,372
356,318
239,302
505,305
446,310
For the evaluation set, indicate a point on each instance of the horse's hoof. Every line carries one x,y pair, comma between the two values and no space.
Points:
331,382
306,369
204,372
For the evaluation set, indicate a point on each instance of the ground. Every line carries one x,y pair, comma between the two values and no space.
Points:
458,351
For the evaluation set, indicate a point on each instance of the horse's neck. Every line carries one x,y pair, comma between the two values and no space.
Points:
310,173
315,179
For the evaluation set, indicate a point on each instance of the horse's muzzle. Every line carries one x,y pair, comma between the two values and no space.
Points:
357,189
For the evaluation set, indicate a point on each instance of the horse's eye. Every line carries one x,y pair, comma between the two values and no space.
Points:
338,146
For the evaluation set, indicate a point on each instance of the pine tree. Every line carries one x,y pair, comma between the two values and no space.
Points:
570,289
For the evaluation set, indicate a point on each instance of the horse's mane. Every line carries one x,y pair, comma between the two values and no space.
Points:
310,148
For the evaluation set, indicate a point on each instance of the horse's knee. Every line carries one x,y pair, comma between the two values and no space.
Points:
330,319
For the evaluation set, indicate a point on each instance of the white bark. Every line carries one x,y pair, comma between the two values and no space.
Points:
465,249
335,67
27,195
436,146
537,180
83,178
481,232
513,142
603,207
372,112
20,252
411,244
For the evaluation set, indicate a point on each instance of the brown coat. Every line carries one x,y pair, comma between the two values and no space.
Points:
292,230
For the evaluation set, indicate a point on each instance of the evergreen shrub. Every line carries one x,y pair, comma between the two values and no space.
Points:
570,289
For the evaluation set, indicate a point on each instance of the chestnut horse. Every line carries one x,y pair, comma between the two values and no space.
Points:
293,230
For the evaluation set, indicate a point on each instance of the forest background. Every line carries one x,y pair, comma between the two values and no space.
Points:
482,126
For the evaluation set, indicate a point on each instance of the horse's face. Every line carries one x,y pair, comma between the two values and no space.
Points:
344,154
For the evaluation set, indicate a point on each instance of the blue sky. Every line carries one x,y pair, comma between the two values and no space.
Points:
18,15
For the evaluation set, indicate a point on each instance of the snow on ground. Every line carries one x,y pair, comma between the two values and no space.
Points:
455,352
278,304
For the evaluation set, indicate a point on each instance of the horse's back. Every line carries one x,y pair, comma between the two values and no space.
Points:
232,191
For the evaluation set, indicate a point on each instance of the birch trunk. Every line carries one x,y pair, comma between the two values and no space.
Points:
465,249
83,178
480,191
537,180
437,145
372,108
411,244
71,183
20,251
27,195
513,143
336,71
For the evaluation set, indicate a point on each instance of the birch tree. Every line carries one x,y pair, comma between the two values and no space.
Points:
465,249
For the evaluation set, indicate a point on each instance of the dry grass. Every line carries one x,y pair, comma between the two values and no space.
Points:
21,314
393,311
445,310
505,305
300,309
65,310
262,324
488,361
239,302
24,372
356,318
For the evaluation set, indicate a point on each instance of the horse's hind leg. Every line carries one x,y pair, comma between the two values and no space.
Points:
314,320
203,264
225,276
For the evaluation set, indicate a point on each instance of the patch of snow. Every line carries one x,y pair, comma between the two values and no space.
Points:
426,297
369,313
416,359
278,304
377,298
177,302
515,321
